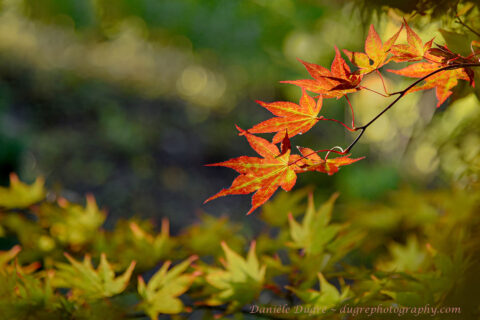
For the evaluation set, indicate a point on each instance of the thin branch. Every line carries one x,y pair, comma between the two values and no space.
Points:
404,92
400,94
318,151
467,26
354,142
332,150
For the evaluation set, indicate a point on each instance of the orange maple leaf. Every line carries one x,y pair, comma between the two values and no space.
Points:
333,83
313,162
261,175
376,52
292,117
442,81
413,51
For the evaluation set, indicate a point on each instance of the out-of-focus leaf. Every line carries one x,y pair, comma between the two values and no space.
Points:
7,256
160,294
205,238
20,195
87,283
71,223
408,258
327,297
314,232
35,240
275,212
133,240
239,283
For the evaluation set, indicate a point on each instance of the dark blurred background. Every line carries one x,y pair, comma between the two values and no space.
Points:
128,99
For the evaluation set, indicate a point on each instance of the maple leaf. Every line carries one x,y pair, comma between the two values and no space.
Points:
239,282
21,195
260,175
315,231
292,117
442,81
313,162
333,83
376,52
413,51
160,294
85,281
327,297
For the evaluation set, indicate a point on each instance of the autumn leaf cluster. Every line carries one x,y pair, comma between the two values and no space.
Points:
434,66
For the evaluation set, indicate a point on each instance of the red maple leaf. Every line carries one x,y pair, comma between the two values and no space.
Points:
413,51
292,117
442,81
261,175
376,52
313,162
333,83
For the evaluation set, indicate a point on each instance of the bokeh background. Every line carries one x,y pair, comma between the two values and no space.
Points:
128,100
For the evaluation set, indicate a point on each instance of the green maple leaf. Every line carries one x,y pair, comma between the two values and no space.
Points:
88,283
160,294
71,223
327,297
314,233
239,283
20,195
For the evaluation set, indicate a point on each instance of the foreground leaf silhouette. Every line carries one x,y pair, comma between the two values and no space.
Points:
260,175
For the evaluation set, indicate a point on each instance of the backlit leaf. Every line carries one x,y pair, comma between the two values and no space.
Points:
442,81
330,84
414,50
376,52
295,119
313,162
260,175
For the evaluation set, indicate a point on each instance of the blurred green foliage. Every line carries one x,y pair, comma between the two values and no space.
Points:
415,248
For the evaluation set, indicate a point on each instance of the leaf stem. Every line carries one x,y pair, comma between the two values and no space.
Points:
383,82
467,26
353,114
337,121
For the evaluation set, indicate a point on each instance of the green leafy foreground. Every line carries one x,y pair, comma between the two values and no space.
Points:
413,250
